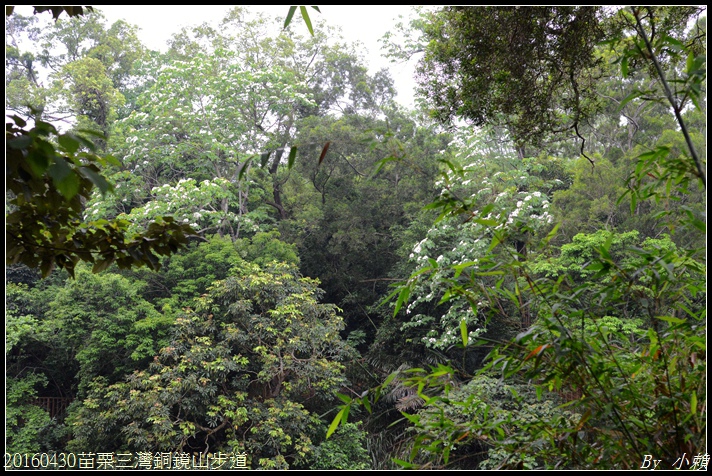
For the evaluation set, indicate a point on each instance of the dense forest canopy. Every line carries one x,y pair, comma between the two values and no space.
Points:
242,252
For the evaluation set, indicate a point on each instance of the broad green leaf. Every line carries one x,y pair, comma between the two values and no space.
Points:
629,98
22,142
345,415
674,43
390,378
97,179
495,241
404,464
242,169
101,265
490,273
459,268
38,162
366,403
110,159
552,233
64,178
69,143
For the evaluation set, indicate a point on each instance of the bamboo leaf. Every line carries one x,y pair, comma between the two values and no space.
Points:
292,156
335,423
463,332
290,15
307,20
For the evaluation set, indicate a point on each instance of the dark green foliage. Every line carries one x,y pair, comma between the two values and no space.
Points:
513,66
48,186
105,326
346,449
551,312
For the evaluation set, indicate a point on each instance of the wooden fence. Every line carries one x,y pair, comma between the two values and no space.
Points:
54,405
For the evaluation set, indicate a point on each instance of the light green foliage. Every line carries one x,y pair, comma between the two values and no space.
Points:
231,376
188,274
89,65
266,247
90,93
25,423
19,322
239,102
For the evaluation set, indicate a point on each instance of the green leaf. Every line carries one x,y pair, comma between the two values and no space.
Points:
552,233
335,423
110,159
674,43
101,265
305,15
22,142
624,66
404,464
367,403
390,378
402,297
64,178
463,332
242,169
459,268
264,157
292,156
693,403
671,320
97,179
38,162
496,239
345,415
69,143
290,15
629,98
344,398
690,62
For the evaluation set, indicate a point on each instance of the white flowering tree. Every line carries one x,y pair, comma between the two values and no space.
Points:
204,118
503,201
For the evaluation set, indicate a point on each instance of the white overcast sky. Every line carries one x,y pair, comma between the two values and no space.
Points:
364,23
